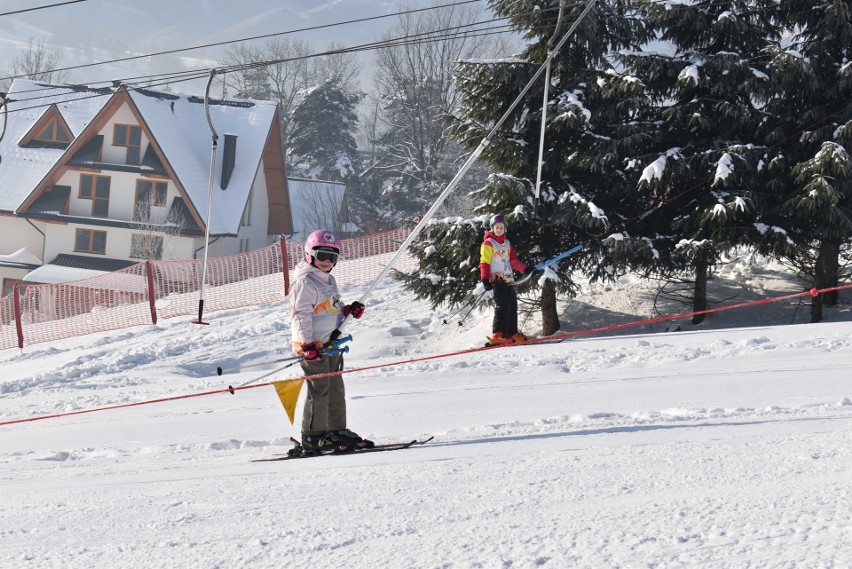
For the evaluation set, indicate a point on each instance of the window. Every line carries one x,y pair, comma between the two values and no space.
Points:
53,132
149,193
246,220
90,241
9,286
146,246
130,137
96,188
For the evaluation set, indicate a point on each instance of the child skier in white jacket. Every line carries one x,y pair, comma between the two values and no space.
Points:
316,311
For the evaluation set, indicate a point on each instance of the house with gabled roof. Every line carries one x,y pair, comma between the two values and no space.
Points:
94,179
319,204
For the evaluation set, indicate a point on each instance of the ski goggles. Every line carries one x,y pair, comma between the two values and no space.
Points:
325,255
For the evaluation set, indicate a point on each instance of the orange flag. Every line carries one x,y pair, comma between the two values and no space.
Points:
288,392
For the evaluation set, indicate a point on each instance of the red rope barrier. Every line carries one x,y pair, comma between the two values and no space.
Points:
813,292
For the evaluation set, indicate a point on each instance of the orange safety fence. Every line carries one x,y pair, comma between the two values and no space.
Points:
142,293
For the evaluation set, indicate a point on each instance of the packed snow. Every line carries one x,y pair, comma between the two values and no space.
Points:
723,444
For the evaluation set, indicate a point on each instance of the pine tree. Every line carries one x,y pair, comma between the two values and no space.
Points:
322,144
696,166
809,127
584,190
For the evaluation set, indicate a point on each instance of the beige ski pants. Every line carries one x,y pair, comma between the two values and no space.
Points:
325,406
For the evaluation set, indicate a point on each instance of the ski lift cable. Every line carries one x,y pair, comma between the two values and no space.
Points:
214,136
24,10
246,39
468,163
546,96
4,106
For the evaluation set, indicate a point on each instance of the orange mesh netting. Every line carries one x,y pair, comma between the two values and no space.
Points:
142,293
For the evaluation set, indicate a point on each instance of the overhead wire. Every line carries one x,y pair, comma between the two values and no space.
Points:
23,10
150,81
251,38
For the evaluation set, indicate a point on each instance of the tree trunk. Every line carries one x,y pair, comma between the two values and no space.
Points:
699,299
825,276
549,316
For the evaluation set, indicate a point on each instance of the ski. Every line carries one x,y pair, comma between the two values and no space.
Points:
376,448
529,342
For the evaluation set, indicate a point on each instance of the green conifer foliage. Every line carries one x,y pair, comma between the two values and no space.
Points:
809,128
584,189
696,165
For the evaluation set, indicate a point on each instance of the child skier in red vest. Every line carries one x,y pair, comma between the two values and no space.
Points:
497,263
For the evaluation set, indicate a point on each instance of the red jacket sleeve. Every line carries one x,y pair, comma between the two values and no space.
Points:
514,261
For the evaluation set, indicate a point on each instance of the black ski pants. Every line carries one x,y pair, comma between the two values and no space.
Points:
505,309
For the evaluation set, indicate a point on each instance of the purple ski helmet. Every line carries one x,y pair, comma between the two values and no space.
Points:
498,219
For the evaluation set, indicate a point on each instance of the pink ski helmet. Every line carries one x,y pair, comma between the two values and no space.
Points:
322,238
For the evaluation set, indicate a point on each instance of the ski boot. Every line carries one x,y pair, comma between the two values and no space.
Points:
352,440
498,339
313,445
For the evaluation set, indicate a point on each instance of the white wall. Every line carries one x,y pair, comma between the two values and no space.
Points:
60,239
122,194
117,154
18,233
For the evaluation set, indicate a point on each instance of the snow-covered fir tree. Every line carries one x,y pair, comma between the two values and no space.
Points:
809,129
322,143
584,189
696,165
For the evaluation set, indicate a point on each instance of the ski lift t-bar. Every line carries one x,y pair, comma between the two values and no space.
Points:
215,137
4,106
468,163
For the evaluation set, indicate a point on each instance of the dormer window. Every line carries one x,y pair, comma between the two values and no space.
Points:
49,131
130,137
54,133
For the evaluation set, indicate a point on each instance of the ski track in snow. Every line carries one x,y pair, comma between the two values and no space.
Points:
701,448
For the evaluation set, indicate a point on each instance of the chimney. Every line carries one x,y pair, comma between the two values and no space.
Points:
229,158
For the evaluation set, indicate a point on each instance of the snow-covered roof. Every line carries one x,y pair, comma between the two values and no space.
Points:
21,168
21,258
49,274
69,268
177,124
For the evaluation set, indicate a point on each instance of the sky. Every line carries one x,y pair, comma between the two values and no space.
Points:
725,444
101,30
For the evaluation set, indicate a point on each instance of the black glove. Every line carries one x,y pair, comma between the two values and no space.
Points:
529,270
487,284
356,309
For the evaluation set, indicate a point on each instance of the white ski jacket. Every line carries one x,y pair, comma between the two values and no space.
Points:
315,306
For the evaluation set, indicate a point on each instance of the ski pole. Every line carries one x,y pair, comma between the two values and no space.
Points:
297,360
472,306
472,299
220,371
331,348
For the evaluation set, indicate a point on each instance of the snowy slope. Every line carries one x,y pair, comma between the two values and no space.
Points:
711,446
